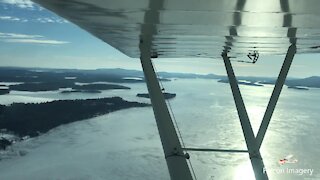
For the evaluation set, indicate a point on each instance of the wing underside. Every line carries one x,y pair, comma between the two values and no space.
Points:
193,28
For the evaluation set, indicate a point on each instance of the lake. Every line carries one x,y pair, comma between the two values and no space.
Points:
126,145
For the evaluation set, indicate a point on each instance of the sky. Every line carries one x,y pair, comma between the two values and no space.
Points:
31,36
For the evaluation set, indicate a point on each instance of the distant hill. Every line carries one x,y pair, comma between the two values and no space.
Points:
118,75
189,75
313,81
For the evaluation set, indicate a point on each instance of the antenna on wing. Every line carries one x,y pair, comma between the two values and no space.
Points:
254,56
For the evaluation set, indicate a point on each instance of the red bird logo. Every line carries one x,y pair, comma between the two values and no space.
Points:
288,159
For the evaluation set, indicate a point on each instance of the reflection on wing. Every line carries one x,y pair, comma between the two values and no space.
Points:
199,28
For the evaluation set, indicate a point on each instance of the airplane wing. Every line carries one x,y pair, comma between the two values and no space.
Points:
198,28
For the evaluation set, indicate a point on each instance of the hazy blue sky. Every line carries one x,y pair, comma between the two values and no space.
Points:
31,36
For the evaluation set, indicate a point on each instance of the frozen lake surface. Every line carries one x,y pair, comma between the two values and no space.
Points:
125,144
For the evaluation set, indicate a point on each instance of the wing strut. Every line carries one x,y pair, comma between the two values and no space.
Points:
174,154
254,153
275,94
175,157
254,143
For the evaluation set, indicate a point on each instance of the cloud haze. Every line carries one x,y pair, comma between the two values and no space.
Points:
31,39
20,3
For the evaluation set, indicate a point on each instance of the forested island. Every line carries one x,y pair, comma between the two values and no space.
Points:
248,83
166,95
4,91
53,86
79,91
297,88
33,119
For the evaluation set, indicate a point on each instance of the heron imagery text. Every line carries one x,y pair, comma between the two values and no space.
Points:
297,171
